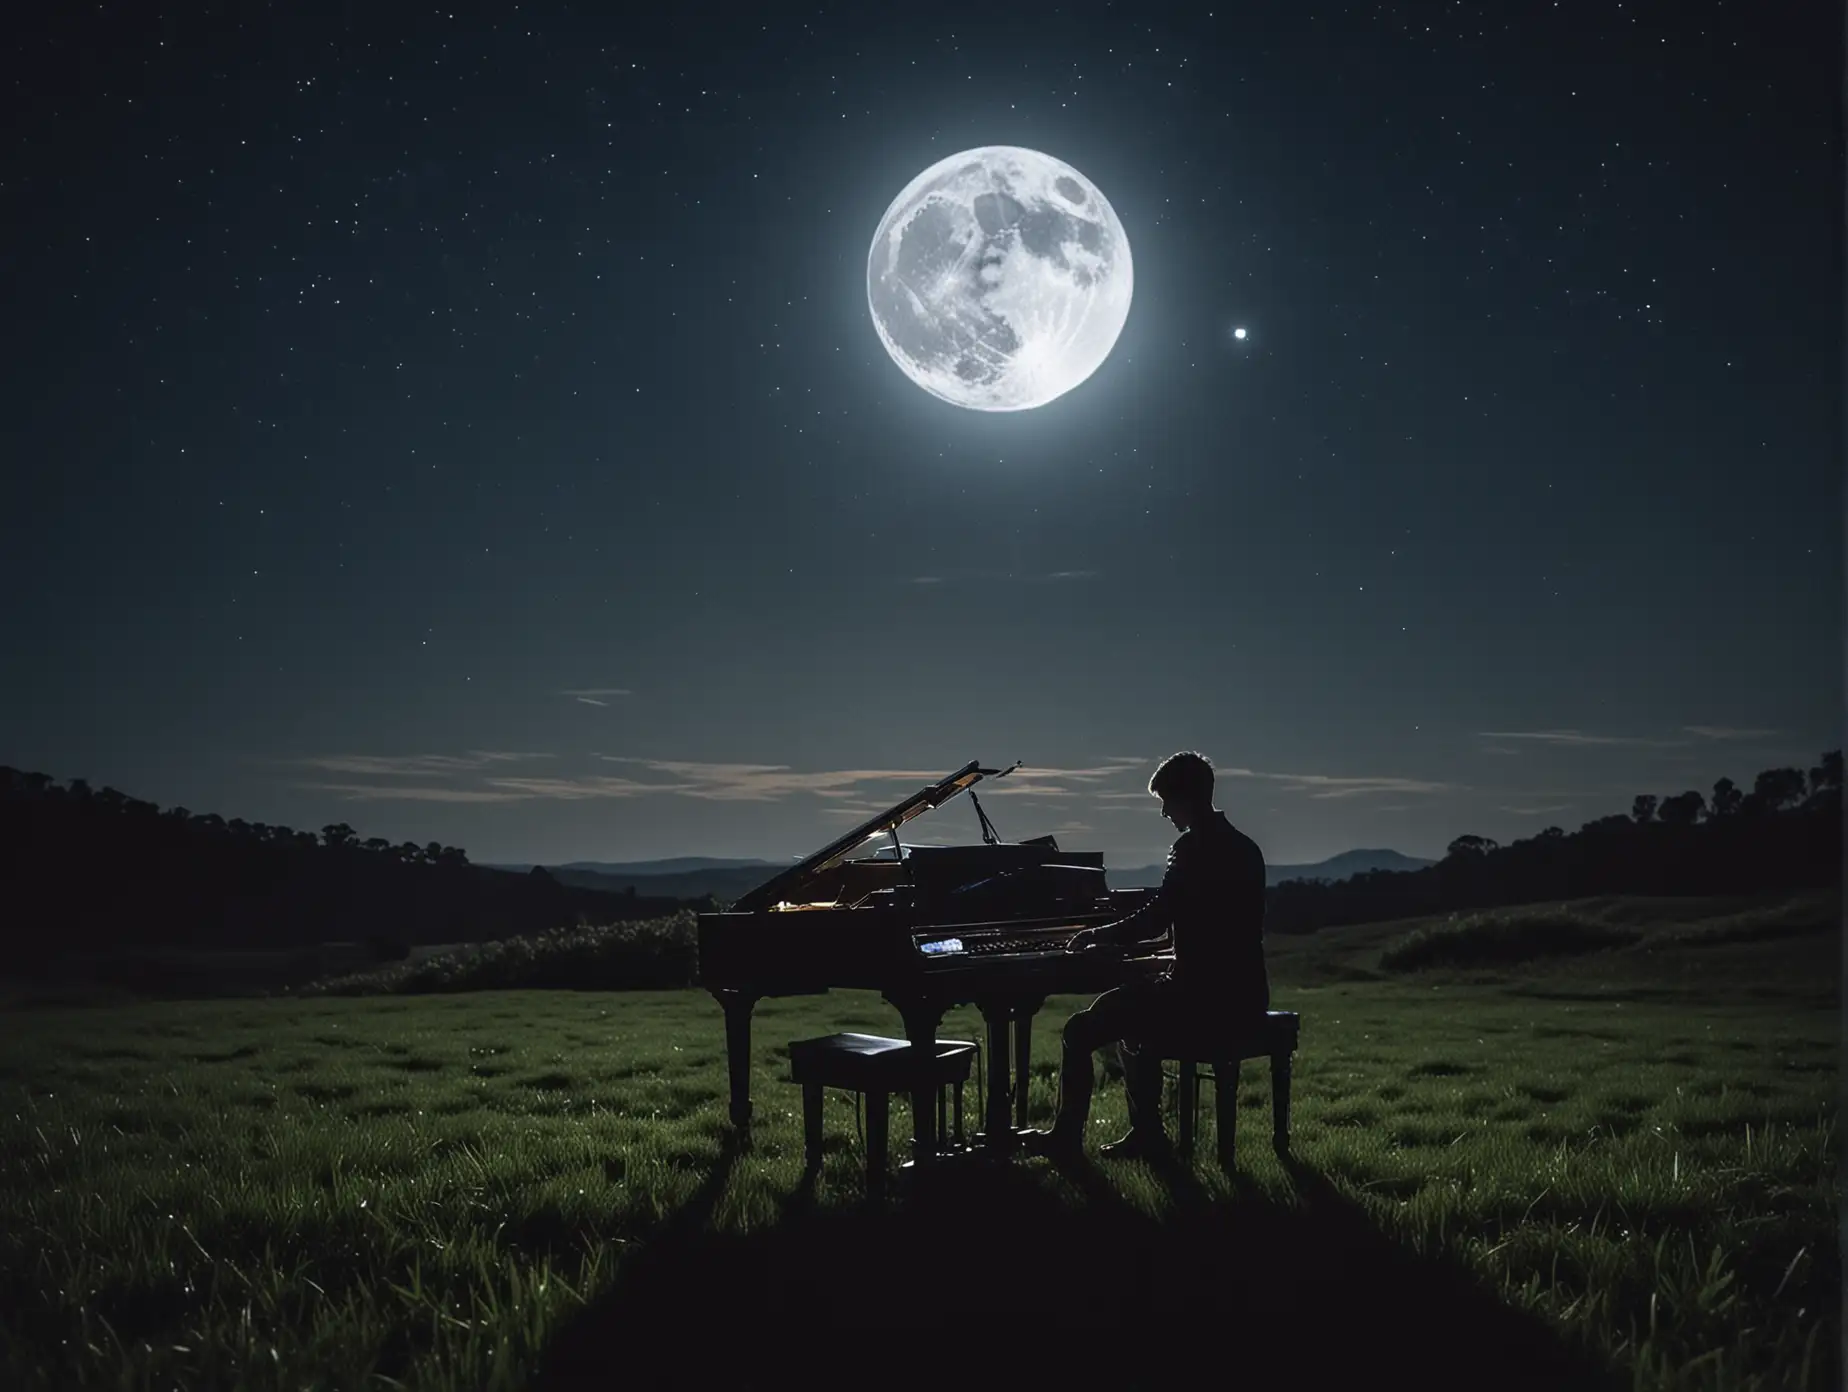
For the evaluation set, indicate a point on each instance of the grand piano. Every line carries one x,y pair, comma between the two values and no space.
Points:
929,927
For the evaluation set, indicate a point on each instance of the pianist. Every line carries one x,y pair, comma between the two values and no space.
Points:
1211,902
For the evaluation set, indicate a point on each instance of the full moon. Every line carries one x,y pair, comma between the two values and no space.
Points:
999,279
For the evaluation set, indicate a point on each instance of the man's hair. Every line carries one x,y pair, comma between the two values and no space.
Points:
1186,775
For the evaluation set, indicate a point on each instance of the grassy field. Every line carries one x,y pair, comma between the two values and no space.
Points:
1610,1166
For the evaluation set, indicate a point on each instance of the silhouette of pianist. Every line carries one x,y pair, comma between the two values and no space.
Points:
1212,902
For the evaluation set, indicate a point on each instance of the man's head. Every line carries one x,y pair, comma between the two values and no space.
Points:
1184,783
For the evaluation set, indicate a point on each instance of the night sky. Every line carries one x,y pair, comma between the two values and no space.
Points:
469,425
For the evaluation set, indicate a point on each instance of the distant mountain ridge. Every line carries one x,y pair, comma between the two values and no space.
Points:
1336,867
673,865
691,877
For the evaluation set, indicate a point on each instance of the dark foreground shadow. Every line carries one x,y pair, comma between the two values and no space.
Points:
986,1279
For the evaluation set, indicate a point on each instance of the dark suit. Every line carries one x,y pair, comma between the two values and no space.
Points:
1212,902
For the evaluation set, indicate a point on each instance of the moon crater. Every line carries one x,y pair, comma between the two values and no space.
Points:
999,279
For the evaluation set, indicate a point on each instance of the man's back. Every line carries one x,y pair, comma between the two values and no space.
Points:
1214,890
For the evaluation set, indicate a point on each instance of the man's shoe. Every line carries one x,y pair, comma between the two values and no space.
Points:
1139,1145
1053,1144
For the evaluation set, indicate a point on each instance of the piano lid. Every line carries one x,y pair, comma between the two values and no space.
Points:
782,885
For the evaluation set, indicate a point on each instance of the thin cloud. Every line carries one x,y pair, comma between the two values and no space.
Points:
483,776
1728,732
370,792
1322,785
597,695
769,782
413,765
1112,768
579,789
1017,787
990,577
1537,811
1578,739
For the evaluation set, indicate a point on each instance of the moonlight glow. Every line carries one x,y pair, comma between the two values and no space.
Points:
999,279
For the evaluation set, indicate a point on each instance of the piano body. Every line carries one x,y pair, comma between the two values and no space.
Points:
929,927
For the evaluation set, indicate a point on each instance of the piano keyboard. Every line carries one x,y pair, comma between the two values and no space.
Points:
998,944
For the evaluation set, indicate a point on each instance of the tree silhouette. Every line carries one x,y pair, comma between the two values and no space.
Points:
1727,799
1779,788
1644,808
1825,782
1683,809
1466,846
339,836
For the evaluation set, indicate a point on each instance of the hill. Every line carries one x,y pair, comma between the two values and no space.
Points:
692,877
1338,867
672,865
723,882
177,880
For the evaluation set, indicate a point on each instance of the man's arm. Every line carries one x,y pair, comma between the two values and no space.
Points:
1154,918
1148,922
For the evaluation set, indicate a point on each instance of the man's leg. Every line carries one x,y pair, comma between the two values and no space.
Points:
1103,1022
1085,1033
1142,1083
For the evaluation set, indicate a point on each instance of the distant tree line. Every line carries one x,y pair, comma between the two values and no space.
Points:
1786,833
92,869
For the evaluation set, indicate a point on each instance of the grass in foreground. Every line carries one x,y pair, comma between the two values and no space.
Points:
476,1190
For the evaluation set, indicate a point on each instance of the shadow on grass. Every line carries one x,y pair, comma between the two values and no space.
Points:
982,1275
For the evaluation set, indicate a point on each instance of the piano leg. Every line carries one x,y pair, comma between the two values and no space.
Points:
738,1006
996,1016
1024,1011
921,1021
1023,1064
877,1104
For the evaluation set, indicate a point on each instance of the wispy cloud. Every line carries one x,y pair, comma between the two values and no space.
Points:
488,776
1324,785
1538,811
1578,739
1031,782
411,792
597,695
1316,785
995,577
771,782
1728,732
413,765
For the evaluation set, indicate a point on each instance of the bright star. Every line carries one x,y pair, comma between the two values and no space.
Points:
1238,333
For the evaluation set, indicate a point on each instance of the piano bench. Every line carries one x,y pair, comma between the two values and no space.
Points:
1275,1039
877,1067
